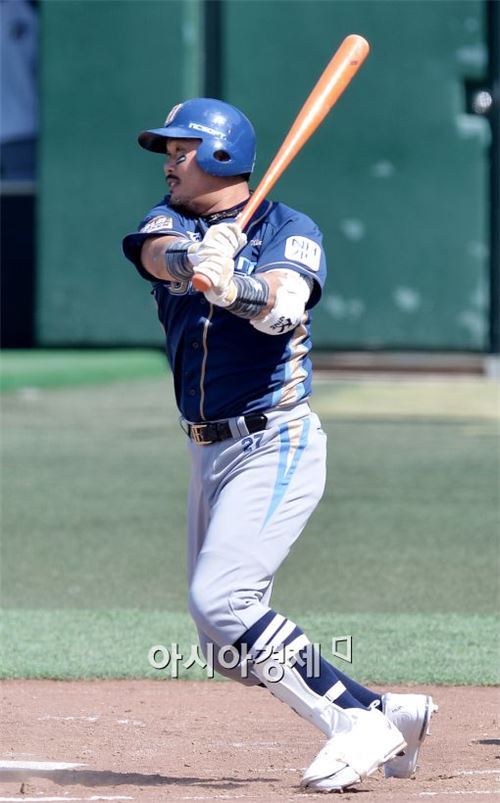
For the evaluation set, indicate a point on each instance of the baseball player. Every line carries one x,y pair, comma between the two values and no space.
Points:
240,357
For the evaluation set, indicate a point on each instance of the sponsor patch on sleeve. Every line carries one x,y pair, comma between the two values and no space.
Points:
303,250
160,223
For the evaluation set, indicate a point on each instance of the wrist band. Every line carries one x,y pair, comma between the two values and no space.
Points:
252,294
177,260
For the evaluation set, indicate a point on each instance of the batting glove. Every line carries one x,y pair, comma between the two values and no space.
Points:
221,240
219,270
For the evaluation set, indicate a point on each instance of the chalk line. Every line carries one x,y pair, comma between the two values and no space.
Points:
38,765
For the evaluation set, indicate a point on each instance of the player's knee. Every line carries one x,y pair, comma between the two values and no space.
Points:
224,661
203,609
215,610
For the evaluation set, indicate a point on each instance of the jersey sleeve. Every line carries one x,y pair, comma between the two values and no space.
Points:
160,221
296,245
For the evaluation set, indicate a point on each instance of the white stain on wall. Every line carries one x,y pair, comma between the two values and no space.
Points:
352,228
475,323
471,24
480,295
474,318
477,249
472,55
407,299
382,169
345,309
473,126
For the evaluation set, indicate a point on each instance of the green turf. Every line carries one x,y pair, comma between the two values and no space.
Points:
395,648
403,550
46,368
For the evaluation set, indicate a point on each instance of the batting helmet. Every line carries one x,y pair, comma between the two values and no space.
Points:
227,137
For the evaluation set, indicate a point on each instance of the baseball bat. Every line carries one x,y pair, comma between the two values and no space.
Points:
337,75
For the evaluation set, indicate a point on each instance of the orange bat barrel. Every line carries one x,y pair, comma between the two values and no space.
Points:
335,78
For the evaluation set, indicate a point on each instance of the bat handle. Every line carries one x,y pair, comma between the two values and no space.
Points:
201,283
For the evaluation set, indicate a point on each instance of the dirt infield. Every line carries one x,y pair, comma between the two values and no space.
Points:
179,740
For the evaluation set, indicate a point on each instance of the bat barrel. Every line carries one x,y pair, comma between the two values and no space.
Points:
333,81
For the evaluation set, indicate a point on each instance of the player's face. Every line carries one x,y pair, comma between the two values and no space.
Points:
187,182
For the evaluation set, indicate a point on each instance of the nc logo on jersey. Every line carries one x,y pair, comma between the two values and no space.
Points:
303,250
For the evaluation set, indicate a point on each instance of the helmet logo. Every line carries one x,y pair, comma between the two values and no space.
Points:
172,113
206,130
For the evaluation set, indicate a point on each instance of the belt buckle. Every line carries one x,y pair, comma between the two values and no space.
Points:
195,431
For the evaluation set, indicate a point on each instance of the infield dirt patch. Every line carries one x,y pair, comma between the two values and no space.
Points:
181,740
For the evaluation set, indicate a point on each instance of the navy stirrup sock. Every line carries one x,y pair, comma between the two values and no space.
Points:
365,696
321,677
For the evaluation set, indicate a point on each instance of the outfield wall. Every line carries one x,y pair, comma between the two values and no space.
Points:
397,176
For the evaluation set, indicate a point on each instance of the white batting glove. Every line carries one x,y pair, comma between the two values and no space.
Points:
219,270
221,240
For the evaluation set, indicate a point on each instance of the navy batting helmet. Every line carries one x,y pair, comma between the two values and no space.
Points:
227,137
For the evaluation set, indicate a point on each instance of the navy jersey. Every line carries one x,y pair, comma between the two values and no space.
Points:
222,365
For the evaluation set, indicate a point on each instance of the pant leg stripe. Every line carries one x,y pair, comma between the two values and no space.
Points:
286,471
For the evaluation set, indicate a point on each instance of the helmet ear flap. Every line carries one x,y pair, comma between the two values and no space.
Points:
215,158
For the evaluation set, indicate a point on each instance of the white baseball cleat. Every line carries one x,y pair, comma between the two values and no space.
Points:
411,714
363,741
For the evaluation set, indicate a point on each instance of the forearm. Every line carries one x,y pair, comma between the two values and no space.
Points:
166,258
274,303
174,258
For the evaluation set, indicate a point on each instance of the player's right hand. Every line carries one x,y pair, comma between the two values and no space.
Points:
219,270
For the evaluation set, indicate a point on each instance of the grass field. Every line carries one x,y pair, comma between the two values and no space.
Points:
402,554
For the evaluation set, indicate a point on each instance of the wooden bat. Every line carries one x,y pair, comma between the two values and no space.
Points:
334,80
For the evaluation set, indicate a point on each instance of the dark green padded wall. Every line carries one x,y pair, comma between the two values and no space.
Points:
110,69
396,176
